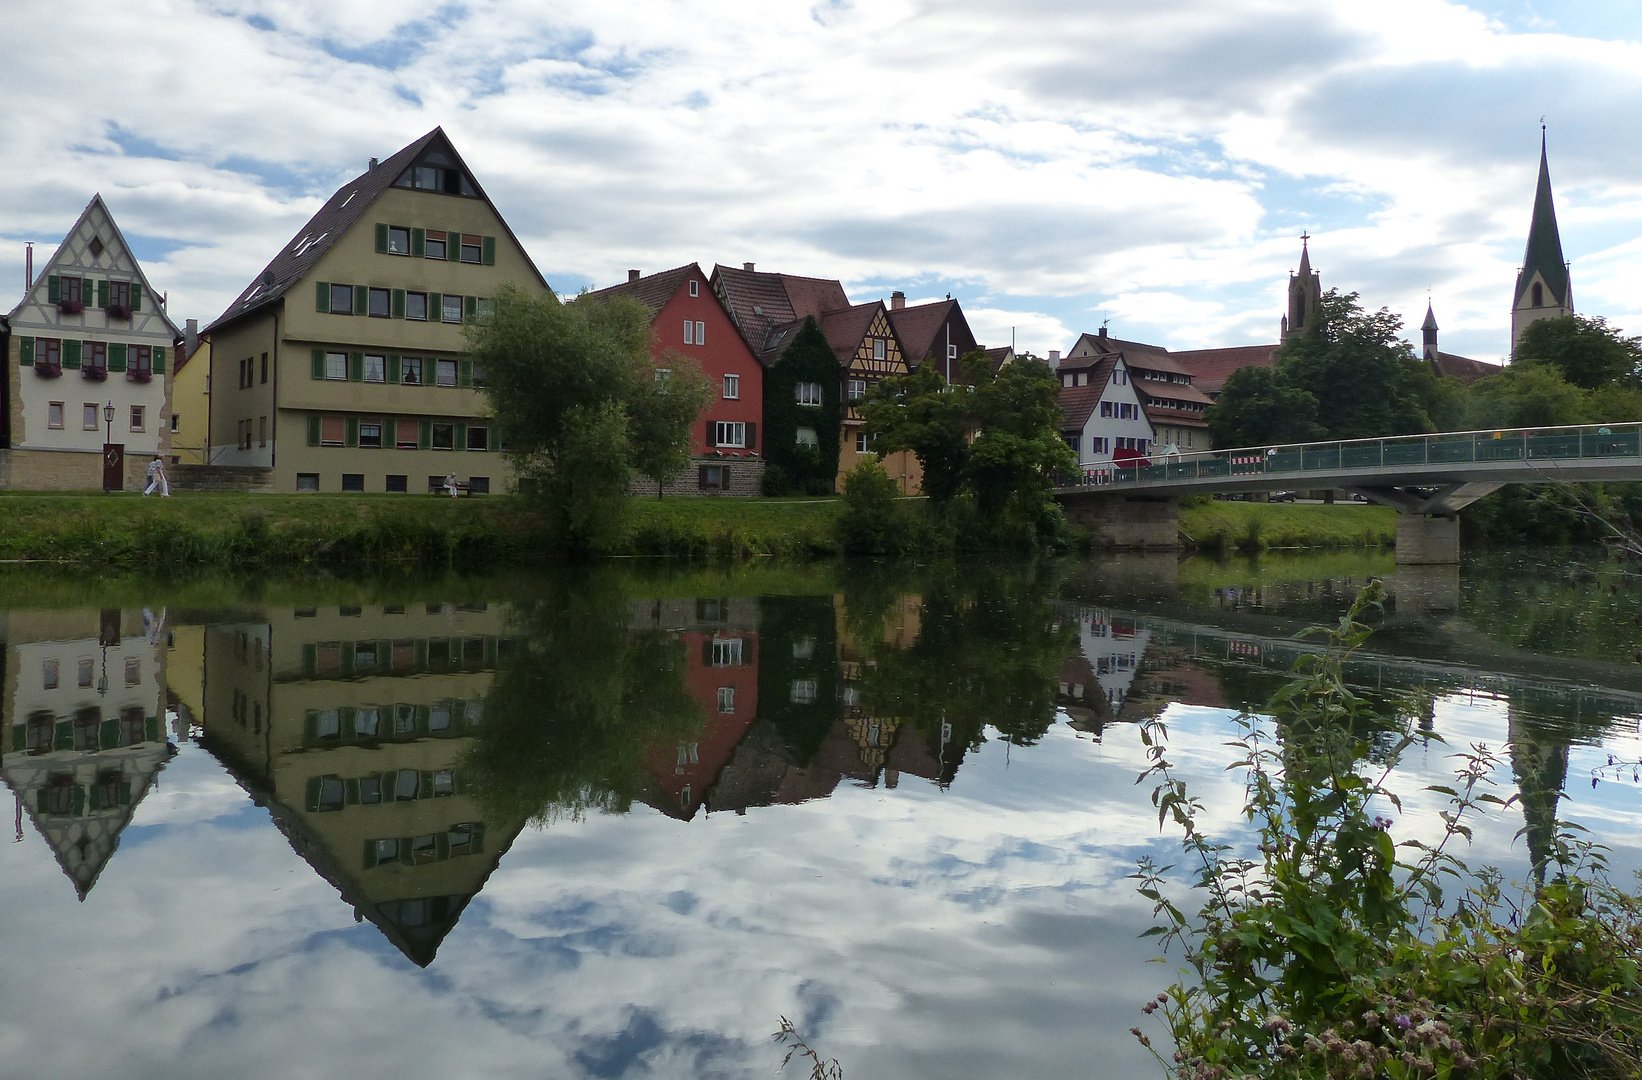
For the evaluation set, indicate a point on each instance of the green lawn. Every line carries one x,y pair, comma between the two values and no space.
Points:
1251,526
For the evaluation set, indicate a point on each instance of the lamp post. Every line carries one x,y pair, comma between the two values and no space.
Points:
108,444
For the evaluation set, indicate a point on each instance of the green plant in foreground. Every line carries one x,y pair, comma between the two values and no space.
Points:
1340,953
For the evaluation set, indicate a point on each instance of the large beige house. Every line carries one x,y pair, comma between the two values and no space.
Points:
342,367
86,392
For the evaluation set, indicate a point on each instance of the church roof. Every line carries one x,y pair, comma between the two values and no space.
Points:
1463,368
1212,367
1544,251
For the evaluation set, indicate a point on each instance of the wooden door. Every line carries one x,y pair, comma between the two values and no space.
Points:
113,466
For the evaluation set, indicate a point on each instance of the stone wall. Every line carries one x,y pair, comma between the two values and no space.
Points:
746,478
1427,541
220,478
1118,521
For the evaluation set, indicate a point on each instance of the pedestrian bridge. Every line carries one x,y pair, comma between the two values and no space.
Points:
1429,479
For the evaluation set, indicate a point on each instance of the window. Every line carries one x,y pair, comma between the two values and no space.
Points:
397,484
264,379
307,481
862,444
714,478
805,436
410,371
1098,444
952,352
70,292
435,246
376,368
695,288
726,697
478,485
95,358
662,375
689,332
48,674
857,389
479,376
84,671
472,252
133,671
88,417
119,294
803,648
370,434
880,349
807,393
447,373
139,417
730,433
352,481
262,431
407,435
1539,295
732,386
341,299
398,240
444,436
1106,409
381,303
176,422
701,333
803,692
330,431
726,652
416,305
54,416
48,356
336,366
478,437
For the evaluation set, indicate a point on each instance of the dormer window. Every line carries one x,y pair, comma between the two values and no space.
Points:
436,172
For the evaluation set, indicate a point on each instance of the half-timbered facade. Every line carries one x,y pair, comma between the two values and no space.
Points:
869,351
87,388
933,333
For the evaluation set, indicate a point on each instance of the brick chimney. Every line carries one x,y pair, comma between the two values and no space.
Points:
747,267
897,300
632,276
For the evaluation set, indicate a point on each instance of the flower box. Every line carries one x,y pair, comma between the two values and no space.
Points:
119,311
71,307
139,376
95,374
48,371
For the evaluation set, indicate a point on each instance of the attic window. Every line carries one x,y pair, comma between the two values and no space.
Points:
96,246
757,310
434,174
308,242
349,199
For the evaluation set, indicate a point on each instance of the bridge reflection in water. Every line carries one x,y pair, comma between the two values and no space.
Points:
400,748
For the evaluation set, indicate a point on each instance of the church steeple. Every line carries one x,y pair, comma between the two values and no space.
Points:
1428,330
1544,290
1305,289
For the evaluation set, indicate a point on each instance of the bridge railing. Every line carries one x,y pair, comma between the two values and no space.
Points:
1548,445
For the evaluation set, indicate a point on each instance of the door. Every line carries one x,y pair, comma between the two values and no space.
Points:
113,466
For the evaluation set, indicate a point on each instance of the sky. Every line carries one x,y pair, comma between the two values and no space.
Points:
1053,164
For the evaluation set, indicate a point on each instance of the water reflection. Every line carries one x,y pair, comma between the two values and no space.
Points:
955,745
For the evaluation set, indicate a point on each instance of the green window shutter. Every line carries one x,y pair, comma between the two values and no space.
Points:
79,800
108,735
356,367
116,358
470,308
136,297
54,293
102,294
96,798
71,354
125,793
393,367
311,794
424,440
350,437
381,238
346,652
310,720
423,713
158,362
361,299
19,737
319,363
322,297
453,246
461,435
348,715
62,736
422,643
25,353
419,241
370,854
464,372
436,307
350,792
310,667
313,429
478,833
399,303
151,728
490,251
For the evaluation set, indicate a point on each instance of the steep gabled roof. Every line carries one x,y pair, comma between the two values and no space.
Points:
1463,368
760,303
814,296
653,290
1544,251
1078,402
845,329
917,326
341,212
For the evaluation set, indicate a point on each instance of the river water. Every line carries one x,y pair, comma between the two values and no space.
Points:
619,822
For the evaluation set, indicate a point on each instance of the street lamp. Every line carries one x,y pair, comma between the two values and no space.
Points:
108,441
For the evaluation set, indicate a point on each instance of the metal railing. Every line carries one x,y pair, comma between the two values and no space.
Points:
1590,441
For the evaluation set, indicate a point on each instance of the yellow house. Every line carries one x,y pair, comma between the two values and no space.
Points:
191,401
342,366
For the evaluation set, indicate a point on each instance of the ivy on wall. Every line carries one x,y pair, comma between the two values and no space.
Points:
795,469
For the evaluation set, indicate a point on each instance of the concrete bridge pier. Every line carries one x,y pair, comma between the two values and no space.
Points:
1427,540
1132,522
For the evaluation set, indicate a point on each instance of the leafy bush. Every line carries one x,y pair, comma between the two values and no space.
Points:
1332,956
875,520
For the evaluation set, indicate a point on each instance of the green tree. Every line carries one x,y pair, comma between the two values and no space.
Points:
1258,407
1365,378
802,467
662,414
1524,396
874,521
573,391
1586,351
921,413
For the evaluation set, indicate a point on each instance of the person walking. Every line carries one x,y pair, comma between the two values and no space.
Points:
156,479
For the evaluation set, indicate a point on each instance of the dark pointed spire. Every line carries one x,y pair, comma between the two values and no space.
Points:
1543,254
1305,254
1430,322
1428,331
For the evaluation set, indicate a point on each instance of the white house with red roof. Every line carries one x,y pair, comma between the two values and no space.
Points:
1105,418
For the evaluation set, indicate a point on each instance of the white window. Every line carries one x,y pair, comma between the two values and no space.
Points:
662,375
730,433
88,417
726,652
807,393
803,692
139,417
447,373
336,366
952,352
451,309
376,368
695,288
689,332
48,674
857,389
880,349
726,694
806,437
701,333
732,386
803,648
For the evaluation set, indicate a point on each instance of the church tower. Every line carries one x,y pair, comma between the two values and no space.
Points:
1544,290
1428,331
1305,289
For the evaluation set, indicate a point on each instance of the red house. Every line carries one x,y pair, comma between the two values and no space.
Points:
688,320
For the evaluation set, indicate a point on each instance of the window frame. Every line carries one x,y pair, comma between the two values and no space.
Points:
856,389
406,364
347,298
336,367
57,407
375,293
801,393
483,433
326,423
880,348
732,387
427,248
89,419
373,422
439,370
139,418
731,434
446,308
449,429
396,232
411,300
380,368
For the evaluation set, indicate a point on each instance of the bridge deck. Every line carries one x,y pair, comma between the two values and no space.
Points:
1520,456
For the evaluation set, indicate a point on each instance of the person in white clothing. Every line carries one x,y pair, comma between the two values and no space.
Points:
156,479
451,485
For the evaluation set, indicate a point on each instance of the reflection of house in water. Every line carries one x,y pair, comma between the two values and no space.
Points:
350,725
1121,673
84,708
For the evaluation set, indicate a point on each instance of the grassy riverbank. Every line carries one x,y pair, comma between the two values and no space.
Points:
1250,526
197,532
